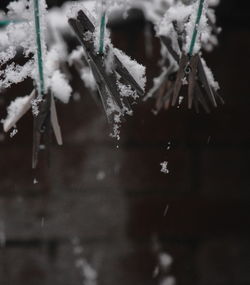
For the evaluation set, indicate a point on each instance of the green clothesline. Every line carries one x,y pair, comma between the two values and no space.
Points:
39,47
4,23
196,27
102,32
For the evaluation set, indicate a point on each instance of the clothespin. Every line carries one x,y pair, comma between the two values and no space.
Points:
106,81
40,100
191,72
162,91
45,122
47,116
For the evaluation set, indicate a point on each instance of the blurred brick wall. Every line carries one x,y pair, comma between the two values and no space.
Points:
114,199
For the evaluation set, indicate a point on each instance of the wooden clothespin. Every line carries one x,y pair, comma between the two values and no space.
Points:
46,115
45,119
45,122
191,72
106,81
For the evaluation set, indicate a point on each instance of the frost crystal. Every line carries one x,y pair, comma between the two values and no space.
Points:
60,87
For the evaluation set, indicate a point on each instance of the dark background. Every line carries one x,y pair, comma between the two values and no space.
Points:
206,228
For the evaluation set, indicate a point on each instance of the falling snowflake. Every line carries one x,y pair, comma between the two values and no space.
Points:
164,167
13,133
169,146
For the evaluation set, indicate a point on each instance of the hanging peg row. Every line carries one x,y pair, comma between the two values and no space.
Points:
113,75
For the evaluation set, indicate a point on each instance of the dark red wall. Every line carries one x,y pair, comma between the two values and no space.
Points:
206,228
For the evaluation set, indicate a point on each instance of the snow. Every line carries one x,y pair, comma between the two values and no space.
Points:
109,62
14,73
213,3
34,105
169,146
214,84
18,36
88,273
16,110
185,16
58,20
52,62
88,79
76,96
4,40
16,8
86,74
166,210
165,260
22,37
13,133
164,167
76,55
60,87
127,91
6,55
179,13
153,10
136,70
157,83
178,24
100,175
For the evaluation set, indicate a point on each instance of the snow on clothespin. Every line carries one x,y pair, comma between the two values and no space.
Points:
183,43
102,28
118,78
202,88
41,100
17,109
